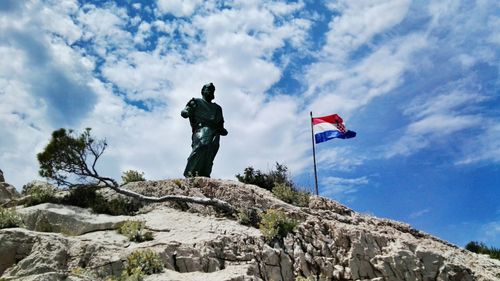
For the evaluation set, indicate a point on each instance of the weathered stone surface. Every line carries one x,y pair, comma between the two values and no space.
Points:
29,255
332,242
39,184
69,220
231,273
7,192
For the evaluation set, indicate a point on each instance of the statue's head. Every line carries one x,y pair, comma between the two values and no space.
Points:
208,91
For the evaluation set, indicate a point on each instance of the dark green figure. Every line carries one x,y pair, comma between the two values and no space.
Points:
207,124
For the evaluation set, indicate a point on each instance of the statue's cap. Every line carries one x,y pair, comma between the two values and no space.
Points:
208,87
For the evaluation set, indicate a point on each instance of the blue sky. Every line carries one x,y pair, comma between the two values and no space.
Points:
417,80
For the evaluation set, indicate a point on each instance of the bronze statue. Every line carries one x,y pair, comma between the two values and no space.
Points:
207,124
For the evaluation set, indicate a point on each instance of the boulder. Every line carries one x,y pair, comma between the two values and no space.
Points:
30,255
69,220
7,192
43,185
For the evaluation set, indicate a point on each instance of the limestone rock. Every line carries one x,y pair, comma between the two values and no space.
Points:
194,242
69,220
38,184
231,273
29,255
7,192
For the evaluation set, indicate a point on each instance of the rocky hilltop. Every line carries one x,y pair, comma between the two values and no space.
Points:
193,242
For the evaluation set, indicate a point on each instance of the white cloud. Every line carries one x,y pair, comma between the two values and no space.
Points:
104,30
493,22
344,88
339,159
490,234
431,129
446,102
434,119
442,124
137,6
45,83
178,8
359,21
143,32
419,213
342,188
486,148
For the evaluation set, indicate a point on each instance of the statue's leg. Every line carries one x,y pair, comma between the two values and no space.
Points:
192,166
211,152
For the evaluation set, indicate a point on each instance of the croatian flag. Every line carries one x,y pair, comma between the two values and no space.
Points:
329,127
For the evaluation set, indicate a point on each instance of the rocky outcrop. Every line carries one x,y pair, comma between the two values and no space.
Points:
30,255
196,242
69,220
7,192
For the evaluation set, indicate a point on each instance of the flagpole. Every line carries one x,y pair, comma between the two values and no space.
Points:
314,156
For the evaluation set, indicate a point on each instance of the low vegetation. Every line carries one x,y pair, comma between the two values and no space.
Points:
87,196
291,195
275,224
116,206
39,193
266,180
278,182
136,231
132,176
248,216
9,218
147,261
481,248
84,196
140,263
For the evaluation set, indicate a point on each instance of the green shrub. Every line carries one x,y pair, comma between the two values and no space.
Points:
147,261
135,231
177,183
140,263
248,217
276,224
266,180
86,196
78,270
291,195
117,207
9,218
481,248
136,275
132,176
82,196
84,273
39,194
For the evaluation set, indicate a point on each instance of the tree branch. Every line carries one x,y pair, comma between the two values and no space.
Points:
67,155
223,205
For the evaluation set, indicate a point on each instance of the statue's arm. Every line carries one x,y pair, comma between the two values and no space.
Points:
187,111
222,130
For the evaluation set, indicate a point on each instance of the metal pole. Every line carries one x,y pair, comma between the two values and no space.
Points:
314,156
